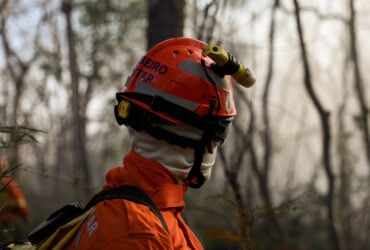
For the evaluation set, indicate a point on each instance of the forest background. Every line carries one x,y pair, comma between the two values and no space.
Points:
295,170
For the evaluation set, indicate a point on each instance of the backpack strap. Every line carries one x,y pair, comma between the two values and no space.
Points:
67,213
130,193
54,221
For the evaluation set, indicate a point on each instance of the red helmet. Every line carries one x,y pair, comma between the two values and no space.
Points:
175,83
172,70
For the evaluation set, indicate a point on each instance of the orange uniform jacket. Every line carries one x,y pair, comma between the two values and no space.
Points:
122,224
13,205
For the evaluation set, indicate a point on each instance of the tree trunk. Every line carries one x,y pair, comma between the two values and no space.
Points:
80,162
326,135
165,20
245,217
17,70
268,149
359,86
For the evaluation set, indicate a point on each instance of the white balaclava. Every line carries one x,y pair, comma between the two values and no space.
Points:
176,159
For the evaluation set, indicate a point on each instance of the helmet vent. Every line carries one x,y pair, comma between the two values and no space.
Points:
190,52
175,53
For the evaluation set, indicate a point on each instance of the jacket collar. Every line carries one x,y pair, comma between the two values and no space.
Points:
151,177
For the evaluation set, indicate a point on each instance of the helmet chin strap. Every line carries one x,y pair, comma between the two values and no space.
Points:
195,178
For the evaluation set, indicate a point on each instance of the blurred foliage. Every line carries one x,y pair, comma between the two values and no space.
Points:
13,228
15,135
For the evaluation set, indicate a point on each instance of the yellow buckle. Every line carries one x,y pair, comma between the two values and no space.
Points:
123,109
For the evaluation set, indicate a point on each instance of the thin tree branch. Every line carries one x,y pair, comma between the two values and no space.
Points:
326,134
359,86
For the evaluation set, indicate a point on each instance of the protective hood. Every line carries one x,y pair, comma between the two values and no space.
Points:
179,161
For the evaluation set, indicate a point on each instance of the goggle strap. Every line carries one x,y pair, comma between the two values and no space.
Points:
159,104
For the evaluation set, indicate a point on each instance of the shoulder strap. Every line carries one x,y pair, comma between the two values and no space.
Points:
73,210
130,193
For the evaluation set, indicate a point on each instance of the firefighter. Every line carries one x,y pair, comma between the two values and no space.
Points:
177,104
13,208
